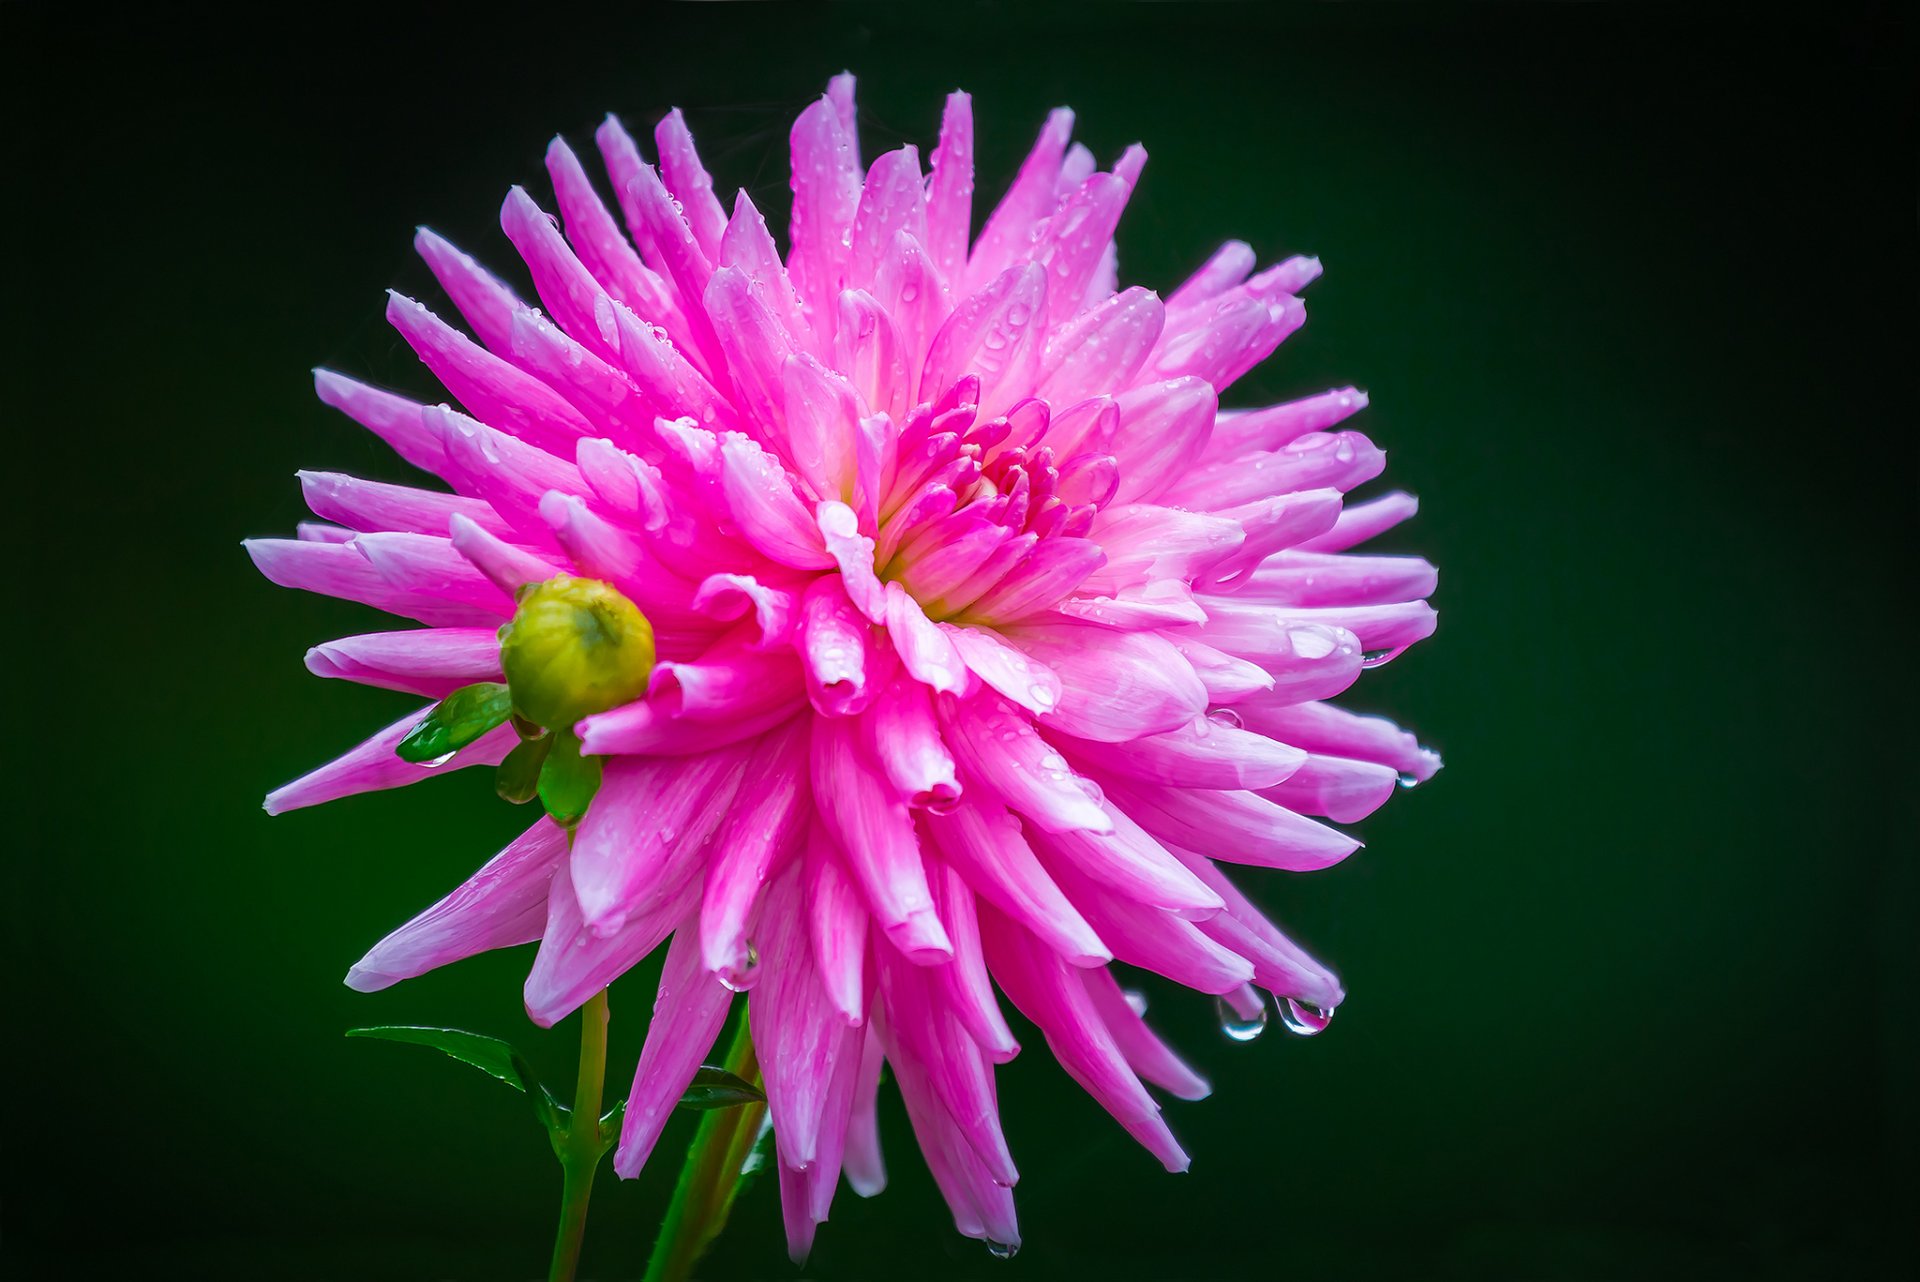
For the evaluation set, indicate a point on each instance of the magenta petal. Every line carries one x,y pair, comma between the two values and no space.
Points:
1344,790
639,840
1053,996
503,904
433,662
997,747
1145,1053
1236,826
762,828
372,767
1114,686
1203,753
870,824
688,1012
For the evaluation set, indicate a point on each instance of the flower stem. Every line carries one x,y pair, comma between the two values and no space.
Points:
580,1147
712,1174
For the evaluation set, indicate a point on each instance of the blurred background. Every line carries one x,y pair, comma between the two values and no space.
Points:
1632,290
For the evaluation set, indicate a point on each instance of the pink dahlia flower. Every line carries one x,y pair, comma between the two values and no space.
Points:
982,632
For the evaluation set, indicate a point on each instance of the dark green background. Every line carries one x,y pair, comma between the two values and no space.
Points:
1633,292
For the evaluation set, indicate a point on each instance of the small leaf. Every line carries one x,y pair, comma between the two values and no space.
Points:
488,1054
518,779
610,1123
717,1088
456,721
568,780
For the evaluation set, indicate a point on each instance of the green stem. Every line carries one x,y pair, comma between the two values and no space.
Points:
711,1176
580,1146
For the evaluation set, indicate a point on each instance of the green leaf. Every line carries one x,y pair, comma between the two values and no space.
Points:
495,1058
717,1088
488,1054
518,779
568,780
456,721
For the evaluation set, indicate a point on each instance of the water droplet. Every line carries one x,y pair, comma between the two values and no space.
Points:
1408,781
739,978
1302,1018
1136,1000
1227,717
1374,658
440,760
1002,1250
1236,1025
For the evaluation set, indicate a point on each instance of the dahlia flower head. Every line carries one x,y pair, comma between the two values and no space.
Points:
984,635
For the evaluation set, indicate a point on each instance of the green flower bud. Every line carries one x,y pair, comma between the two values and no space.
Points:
575,647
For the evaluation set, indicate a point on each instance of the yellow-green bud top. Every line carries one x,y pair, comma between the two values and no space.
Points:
574,647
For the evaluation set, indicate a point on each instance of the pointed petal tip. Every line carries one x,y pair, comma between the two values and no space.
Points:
363,979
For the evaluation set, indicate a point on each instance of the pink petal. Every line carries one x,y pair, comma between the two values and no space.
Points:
641,838
872,827
1145,1053
503,904
688,180
1365,521
1237,826
1055,998
866,1170
996,334
688,1012
1006,668
1114,686
1251,431
837,645
493,390
1163,426
1321,727
1344,790
950,189
924,649
998,748
984,844
764,826
394,419
905,739
837,920
1203,753
433,662
373,767
967,990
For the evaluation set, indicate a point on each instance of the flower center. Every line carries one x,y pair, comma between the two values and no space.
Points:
973,500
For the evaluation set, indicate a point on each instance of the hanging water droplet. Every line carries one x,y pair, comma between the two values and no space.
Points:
1002,1250
1303,1018
739,978
440,760
1374,658
1407,780
1136,1000
1238,1026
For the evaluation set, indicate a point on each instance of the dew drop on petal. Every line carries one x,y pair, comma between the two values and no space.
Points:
1408,781
1374,658
440,760
1238,1026
1227,717
1136,1000
1002,1250
1303,1018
